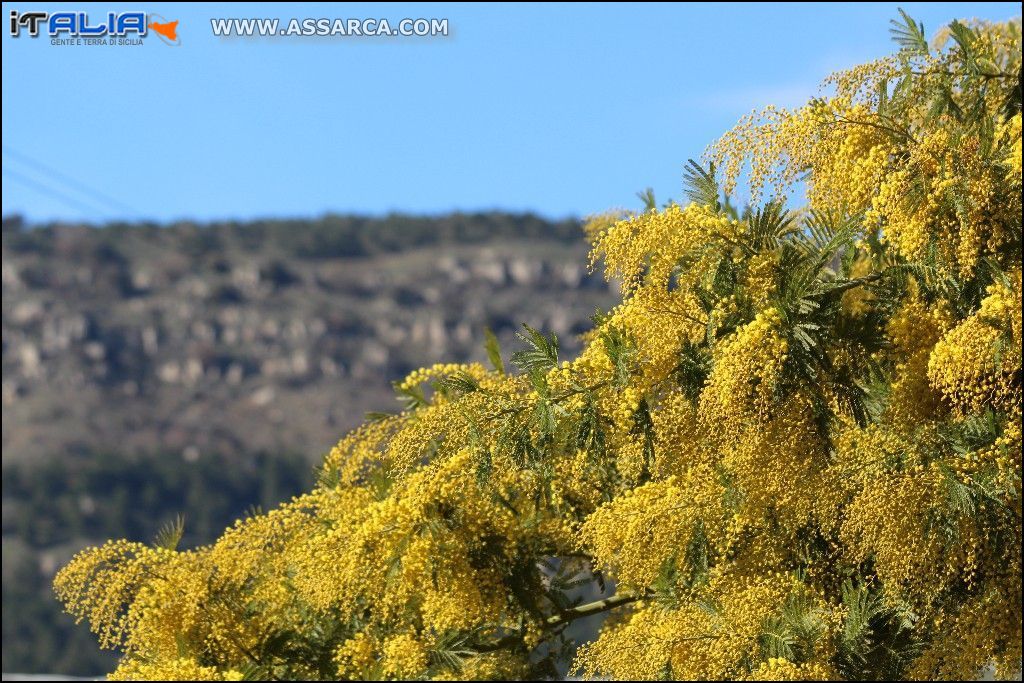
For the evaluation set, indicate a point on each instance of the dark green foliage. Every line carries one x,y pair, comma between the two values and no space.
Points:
458,384
700,186
648,200
541,353
875,643
55,506
621,352
493,349
643,430
909,34
170,534
795,633
411,398
768,226
693,369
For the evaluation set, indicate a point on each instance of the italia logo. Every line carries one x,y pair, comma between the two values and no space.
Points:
71,25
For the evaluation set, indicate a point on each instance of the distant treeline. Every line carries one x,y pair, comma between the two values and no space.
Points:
329,236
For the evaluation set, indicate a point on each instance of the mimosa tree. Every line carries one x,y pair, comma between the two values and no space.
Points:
792,451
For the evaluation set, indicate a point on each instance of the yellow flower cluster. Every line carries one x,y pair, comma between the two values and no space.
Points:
647,248
897,535
765,459
780,669
913,332
180,669
742,387
838,139
440,370
965,638
713,635
1010,137
946,194
636,533
404,657
977,363
761,278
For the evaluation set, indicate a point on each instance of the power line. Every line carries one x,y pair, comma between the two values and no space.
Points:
49,191
68,181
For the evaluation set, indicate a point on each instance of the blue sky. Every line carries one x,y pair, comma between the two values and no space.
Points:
563,110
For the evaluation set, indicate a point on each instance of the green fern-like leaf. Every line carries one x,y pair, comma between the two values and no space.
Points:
170,534
541,352
411,398
493,349
647,197
458,384
909,34
700,186
769,225
966,39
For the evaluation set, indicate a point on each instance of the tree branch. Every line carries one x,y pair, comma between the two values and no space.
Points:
565,617
855,282
590,609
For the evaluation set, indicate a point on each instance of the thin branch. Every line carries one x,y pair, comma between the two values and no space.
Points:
681,314
591,608
879,126
854,283
949,72
564,617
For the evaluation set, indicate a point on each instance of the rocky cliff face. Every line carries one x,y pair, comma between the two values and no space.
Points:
241,338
